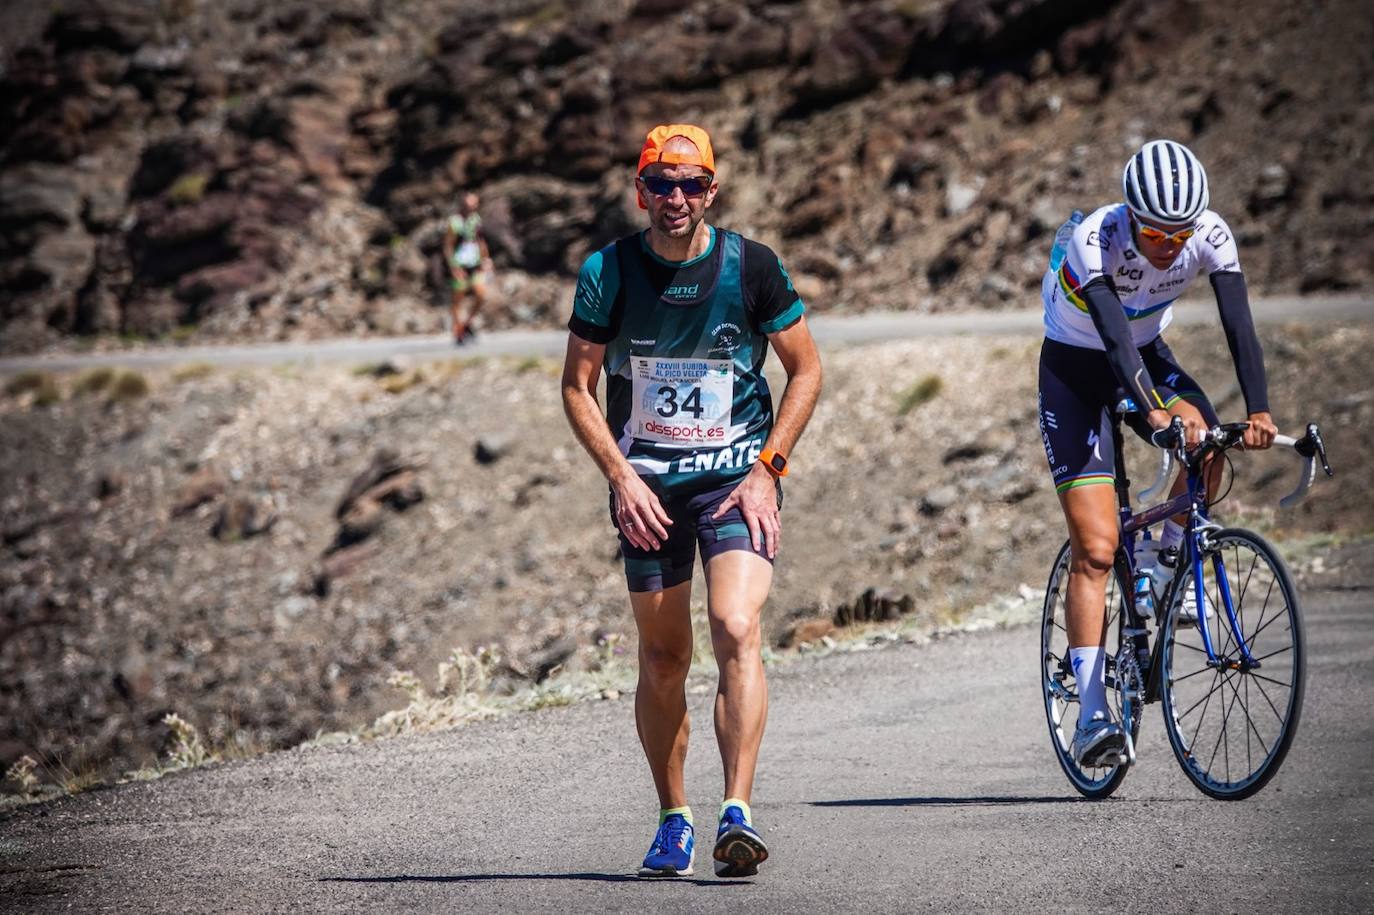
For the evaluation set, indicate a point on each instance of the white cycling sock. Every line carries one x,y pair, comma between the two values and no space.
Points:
1172,535
1087,664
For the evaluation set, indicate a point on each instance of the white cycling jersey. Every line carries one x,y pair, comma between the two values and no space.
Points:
1103,245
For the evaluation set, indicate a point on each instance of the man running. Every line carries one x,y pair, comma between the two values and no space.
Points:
1108,297
469,265
681,316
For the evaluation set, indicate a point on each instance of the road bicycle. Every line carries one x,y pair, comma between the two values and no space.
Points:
1231,680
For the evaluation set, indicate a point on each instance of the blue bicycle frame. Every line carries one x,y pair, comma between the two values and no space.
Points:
1194,504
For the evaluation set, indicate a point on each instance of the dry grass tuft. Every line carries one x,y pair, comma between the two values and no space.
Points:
921,392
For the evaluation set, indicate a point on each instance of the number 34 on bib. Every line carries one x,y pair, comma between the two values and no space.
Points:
682,401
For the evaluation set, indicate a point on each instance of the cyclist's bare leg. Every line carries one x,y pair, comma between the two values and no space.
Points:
737,584
665,656
1093,536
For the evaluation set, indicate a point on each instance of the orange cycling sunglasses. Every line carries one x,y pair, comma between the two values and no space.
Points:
1158,236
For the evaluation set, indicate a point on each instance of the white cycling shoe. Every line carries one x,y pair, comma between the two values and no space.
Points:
1101,742
1187,608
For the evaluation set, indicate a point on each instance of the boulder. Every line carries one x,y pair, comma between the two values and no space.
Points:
37,192
241,517
491,448
811,629
204,485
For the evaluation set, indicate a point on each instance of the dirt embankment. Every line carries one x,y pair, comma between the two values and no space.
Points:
258,550
249,169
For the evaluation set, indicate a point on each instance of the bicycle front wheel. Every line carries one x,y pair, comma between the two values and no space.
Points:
1231,722
1060,688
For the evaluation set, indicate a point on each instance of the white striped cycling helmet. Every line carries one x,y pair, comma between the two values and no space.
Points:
1165,182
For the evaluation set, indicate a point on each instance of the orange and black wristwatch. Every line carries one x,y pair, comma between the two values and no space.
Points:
776,463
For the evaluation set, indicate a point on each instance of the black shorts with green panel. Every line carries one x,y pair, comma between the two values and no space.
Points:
686,397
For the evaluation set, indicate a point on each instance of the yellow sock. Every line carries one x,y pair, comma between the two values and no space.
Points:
665,812
742,805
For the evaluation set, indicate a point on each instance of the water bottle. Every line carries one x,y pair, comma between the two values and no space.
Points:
1144,596
1165,565
1061,239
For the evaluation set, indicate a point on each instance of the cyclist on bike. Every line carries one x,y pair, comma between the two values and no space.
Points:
680,316
1106,304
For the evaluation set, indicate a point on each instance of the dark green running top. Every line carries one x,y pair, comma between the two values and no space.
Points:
686,398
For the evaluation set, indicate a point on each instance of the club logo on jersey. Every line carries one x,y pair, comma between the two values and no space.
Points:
726,335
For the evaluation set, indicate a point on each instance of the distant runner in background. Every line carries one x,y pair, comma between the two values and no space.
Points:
680,317
469,265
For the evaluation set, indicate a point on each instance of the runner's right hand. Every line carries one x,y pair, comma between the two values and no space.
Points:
638,512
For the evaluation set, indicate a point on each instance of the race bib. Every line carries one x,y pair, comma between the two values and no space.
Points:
468,254
682,401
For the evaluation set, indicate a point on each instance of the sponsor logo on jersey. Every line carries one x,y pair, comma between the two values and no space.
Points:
1218,237
740,454
1135,274
1167,285
642,342
683,292
1100,239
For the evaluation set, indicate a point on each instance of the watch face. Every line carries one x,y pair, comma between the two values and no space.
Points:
778,462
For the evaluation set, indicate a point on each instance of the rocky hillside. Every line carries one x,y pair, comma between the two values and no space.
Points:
174,168
258,551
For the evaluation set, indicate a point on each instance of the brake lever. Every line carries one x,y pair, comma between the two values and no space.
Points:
1311,447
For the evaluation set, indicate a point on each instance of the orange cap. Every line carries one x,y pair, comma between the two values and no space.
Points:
658,138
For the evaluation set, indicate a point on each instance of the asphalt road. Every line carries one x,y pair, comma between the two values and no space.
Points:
902,779
864,328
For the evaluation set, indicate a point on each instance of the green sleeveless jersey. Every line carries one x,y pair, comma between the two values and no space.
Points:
686,397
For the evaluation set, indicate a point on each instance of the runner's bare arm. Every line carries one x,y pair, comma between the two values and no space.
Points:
639,513
450,237
756,495
797,352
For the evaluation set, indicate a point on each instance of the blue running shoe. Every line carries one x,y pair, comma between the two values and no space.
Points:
739,849
671,854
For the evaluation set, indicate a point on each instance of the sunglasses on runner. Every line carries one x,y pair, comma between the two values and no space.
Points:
1158,236
690,187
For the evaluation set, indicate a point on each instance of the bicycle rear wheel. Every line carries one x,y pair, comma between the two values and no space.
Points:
1061,689
1231,724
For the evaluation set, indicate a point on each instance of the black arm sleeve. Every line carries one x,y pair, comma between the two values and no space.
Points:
1234,304
1110,320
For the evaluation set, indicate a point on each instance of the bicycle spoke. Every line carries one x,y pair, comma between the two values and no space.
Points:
1273,708
1271,680
1249,765
1222,738
1205,701
1190,647
1211,688
1281,614
1200,670
1276,651
1254,635
1245,710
